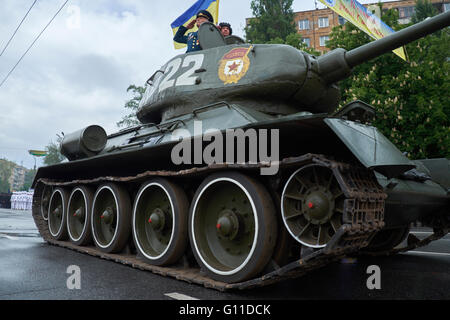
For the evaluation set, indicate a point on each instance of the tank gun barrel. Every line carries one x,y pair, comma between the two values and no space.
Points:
400,38
337,64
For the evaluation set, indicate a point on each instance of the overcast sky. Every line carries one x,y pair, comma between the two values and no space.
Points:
77,73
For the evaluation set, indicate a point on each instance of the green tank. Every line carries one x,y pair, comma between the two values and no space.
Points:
241,172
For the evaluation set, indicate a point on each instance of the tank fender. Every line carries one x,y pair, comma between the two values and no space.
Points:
370,147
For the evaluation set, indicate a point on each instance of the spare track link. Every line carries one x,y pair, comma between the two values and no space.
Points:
363,217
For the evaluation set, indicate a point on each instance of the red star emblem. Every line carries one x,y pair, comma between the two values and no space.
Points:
234,66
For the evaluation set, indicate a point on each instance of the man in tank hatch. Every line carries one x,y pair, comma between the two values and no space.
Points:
191,39
225,29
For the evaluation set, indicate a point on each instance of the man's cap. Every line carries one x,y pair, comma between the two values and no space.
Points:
205,14
226,24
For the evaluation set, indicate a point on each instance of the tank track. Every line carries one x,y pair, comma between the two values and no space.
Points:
363,217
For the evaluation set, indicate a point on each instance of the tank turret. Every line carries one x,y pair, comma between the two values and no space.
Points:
274,79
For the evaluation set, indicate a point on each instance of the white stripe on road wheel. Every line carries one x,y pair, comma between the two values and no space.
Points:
179,296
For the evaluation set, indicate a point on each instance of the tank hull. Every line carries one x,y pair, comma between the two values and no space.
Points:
318,134
360,145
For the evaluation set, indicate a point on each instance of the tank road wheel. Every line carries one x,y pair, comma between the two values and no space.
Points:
45,200
312,205
79,216
57,207
232,227
111,218
160,222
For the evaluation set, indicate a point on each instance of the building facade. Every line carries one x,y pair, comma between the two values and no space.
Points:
315,25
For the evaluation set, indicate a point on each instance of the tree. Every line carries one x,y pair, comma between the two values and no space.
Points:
411,98
29,177
423,10
273,19
6,168
4,186
273,23
54,155
295,40
133,104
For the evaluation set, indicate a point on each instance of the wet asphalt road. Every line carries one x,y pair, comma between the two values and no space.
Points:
30,269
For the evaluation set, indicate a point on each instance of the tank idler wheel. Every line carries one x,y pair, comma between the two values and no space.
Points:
45,200
232,227
159,222
111,218
312,205
57,214
79,217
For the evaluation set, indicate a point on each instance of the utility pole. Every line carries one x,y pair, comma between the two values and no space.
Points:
314,26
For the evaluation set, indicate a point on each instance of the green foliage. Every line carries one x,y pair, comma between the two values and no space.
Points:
423,10
273,19
4,185
6,168
133,104
295,40
54,155
411,98
273,23
29,177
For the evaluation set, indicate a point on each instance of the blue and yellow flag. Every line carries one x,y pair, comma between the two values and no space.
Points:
358,15
211,5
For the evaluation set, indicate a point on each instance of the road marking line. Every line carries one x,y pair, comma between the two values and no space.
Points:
421,232
424,252
8,237
179,296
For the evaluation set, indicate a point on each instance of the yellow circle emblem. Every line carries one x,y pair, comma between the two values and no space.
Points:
234,65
